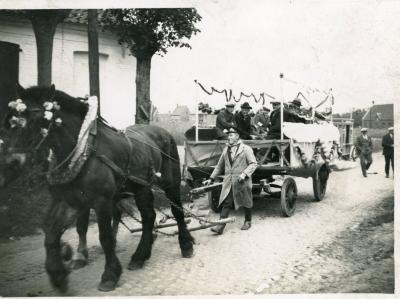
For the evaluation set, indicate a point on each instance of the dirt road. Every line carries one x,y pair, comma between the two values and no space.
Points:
341,244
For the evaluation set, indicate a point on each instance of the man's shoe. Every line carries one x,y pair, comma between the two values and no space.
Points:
246,225
365,175
218,229
387,175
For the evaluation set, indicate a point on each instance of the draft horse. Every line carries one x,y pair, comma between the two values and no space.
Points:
145,151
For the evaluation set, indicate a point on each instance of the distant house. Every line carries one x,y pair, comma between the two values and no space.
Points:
378,116
180,113
70,64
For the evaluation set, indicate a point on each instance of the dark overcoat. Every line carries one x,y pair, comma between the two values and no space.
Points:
225,120
387,144
243,162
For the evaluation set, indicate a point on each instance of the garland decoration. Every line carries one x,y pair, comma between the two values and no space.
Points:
229,94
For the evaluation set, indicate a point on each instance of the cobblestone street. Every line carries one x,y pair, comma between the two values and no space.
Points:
276,255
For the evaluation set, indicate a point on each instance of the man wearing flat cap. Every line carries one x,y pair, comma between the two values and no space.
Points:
364,149
225,120
237,163
388,150
243,122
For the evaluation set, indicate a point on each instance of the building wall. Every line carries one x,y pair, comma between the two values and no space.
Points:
70,72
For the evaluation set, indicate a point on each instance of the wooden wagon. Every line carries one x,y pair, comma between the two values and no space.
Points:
308,151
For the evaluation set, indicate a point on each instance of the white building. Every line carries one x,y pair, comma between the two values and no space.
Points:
70,72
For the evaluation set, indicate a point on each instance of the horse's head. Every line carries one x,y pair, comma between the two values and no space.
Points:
28,120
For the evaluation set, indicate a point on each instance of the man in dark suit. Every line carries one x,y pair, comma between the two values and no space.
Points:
243,122
388,150
364,149
225,120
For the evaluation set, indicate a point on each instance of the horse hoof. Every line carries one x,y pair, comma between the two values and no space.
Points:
107,286
60,282
135,265
188,253
77,264
66,252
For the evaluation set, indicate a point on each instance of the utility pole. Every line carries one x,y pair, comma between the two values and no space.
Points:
93,39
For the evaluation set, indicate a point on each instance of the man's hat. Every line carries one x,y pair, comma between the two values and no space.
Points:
231,130
364,130
296,102
230,104
245,105
266,108
275,102
390,129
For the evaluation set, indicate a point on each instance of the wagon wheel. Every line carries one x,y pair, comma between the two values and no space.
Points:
320,181
288,196
213,200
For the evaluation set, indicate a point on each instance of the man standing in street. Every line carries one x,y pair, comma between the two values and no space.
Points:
388,150
364,149
238,163
225,120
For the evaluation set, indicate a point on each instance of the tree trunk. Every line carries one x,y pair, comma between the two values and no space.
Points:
143,103
44,33
44,23
93,38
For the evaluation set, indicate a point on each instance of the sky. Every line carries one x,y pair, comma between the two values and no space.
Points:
347,46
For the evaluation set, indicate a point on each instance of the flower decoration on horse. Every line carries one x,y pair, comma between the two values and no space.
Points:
48,115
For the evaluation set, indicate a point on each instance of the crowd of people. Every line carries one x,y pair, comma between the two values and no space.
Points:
264,124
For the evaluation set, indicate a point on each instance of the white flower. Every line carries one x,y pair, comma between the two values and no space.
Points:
48,115
22,122
44,132
56,106
18,100
13,121
48,106
21,107
12,104
58,121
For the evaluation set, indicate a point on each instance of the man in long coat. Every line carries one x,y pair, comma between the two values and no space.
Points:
261,120
388,150
225,120
364,148
238,163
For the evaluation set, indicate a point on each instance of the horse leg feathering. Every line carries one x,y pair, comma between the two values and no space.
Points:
80,258
59,217
112,269
144,201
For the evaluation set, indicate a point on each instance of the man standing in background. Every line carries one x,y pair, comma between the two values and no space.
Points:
364,149
388,150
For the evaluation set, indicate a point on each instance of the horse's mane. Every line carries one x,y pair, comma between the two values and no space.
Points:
67,102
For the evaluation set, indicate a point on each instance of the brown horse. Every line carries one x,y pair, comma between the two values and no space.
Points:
142,152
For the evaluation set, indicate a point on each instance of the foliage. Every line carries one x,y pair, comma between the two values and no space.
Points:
357,115
152,31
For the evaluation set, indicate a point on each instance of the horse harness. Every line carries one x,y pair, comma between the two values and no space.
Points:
55,176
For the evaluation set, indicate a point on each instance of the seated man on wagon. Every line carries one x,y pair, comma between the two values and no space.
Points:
275,124
225,120
243,122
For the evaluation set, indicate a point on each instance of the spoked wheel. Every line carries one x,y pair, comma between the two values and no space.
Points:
213,200
320,181
288,196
